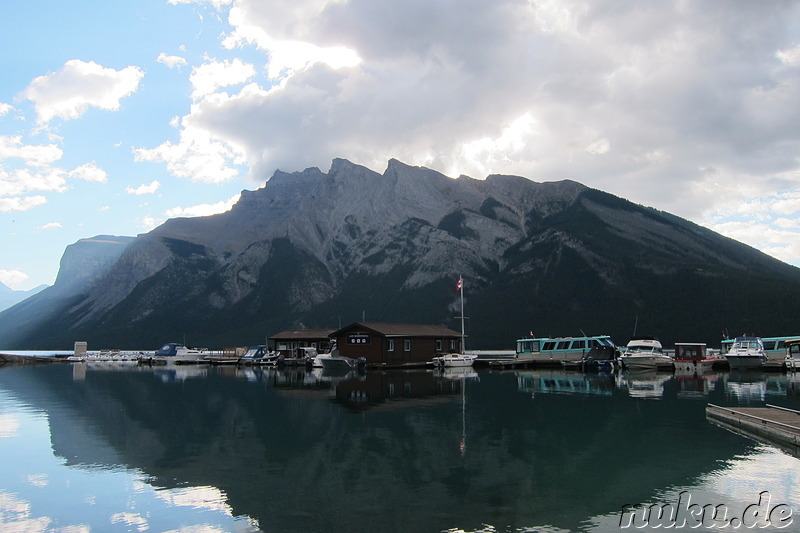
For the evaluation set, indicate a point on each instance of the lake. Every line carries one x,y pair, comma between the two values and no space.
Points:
97,447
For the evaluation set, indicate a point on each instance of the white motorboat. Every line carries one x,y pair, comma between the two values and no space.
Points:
259,354
746,353
334,362
645,353
174,353
793,355
454,360
461,359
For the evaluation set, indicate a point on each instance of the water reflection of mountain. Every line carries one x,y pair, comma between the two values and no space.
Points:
301,458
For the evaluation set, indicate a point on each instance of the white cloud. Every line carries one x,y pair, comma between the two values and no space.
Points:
650,87
12,279
209,77
11,147
50,225
199,155
78,85
171,61
670,104
134,521
21,181
789,56
5,108
787,204
288,51
21,203
202,210
216,3
150,188
89,172
38,480
148,222
206,498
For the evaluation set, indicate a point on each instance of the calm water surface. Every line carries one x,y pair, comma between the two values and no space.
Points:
206,449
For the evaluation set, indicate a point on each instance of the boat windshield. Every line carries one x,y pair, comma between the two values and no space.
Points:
748,344
640,349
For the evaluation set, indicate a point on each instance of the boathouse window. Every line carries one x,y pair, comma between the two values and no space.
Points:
438,345
407,345
453,344
390,346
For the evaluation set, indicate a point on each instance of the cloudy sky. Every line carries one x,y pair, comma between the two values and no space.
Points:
116,115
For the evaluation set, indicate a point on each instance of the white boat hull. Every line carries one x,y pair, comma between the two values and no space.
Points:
646,362
336,362
454,360
745,362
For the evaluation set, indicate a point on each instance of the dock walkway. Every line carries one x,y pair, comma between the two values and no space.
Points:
772,424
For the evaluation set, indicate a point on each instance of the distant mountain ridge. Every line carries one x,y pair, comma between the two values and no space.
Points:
315,249
10,297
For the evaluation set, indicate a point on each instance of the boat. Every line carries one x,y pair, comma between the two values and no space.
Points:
557,350
746,353
647,383
792,354
259,354
333,361
645,353
223,358
774,350
173,353
116,356
599,358
692,357
461,359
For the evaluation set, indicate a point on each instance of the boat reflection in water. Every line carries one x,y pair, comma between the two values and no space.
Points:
259,449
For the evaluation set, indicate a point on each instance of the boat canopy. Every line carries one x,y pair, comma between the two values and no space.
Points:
547,344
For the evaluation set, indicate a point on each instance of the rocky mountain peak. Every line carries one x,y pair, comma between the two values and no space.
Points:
315,248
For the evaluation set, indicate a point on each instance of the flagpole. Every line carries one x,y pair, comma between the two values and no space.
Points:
463,348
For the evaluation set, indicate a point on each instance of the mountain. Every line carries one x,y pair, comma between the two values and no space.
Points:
314,249
9,296
82,265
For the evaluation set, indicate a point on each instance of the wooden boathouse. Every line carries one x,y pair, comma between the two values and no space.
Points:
395,345
290,343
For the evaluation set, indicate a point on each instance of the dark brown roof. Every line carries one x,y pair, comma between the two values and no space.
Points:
303,334
402,330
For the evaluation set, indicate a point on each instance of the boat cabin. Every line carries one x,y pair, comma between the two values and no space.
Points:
395,344
690,351
562,346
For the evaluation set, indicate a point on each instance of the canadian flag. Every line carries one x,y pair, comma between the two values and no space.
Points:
459,284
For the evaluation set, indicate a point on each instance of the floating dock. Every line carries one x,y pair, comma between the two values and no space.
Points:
773,425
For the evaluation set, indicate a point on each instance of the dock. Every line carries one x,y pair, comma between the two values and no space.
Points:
503,363
772,425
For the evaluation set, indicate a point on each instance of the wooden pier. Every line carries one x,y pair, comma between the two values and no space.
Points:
773,425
